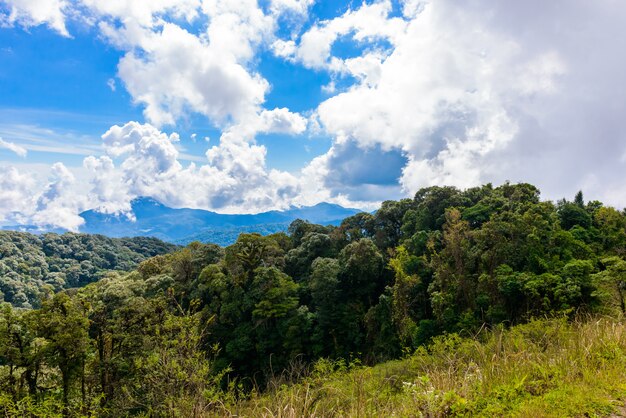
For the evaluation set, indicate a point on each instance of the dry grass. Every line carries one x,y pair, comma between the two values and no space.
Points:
547,368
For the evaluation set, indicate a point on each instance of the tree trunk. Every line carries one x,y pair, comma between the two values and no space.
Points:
83,392
31,380
66,388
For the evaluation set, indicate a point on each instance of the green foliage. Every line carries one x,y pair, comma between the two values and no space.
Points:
611,284
34,266
173,375
193,329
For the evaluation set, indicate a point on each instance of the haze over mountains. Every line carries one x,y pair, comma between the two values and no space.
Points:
185,225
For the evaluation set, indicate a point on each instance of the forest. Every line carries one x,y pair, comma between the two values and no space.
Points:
32,266
205,330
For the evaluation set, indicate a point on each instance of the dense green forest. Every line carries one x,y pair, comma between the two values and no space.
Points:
32,266
191,332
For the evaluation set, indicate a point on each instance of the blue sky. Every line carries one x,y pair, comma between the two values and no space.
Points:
63,84
245,106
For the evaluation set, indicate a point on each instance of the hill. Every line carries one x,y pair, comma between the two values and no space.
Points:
33,265
186,225
225,236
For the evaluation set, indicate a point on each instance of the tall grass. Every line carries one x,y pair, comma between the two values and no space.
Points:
546,368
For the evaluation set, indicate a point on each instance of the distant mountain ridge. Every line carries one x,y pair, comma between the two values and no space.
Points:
184,225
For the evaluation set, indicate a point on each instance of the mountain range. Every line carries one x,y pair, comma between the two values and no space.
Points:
181,226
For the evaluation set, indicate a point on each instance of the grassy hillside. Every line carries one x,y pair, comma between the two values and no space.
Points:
546,368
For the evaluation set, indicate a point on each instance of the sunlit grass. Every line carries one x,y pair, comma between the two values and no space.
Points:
546,368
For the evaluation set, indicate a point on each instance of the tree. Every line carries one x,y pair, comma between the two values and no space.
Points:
388,222
579,200
63,323
356,227
328,306
453,288
612,283
572,214
361,275
256,322
611,226
298,260
410,302
252,251
20,351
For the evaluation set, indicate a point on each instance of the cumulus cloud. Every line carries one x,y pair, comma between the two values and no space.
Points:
52,202
19,150
59,204
108,193
368,23
29,13
169,68
175,72
299,7
144,13
15,195
362,174
143,161
483,92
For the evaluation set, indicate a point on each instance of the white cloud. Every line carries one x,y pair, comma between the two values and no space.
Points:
315,188
370,22
15,195
29,13
144,144
485,92
19,150
59,204
146,13
26,198
177,72
279,120
234,177
108,192
284,49
171,69
299,7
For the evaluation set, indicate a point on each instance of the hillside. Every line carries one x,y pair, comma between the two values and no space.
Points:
225,236
152,218
33,265
369,305
541,369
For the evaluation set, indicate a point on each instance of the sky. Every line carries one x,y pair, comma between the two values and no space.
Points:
242,106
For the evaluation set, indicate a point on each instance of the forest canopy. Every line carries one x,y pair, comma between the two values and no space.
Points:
32,266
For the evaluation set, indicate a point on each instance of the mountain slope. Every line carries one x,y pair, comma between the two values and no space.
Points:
182,225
